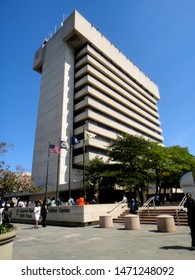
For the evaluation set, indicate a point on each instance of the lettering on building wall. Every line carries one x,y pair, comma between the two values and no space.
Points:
59,210
64,210
25,212
29,212
52,210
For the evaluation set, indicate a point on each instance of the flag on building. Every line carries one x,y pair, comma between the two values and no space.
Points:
74,140
64,145
89,135
54,149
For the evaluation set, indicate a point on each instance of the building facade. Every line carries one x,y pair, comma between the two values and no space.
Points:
87,86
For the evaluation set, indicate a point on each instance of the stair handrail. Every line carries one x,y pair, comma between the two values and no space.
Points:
181,204
146,204
122,201
180,207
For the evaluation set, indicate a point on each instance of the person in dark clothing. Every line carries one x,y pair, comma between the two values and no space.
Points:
44,210
6,214
190,205
157,200
133,207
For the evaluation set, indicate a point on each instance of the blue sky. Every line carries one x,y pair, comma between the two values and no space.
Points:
157,35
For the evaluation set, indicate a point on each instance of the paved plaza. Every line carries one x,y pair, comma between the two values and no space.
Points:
95,243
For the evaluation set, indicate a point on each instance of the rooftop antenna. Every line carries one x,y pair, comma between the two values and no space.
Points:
63,19
65,16
50,34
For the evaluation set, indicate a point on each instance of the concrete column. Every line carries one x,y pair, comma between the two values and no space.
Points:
132,222
165,223
106,221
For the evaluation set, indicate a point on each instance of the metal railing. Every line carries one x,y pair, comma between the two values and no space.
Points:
118,204
179,208
147,205
152,199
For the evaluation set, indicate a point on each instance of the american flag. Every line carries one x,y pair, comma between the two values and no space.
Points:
54,149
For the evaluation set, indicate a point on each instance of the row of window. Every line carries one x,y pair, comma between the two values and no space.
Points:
128,75
99,151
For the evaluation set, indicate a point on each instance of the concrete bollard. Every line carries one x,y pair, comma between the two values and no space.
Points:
165,223
106,221
132,222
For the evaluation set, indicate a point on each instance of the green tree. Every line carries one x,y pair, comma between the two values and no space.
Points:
156,158
94,175
4,147
136,163
10,182
99,174
130,152
178,162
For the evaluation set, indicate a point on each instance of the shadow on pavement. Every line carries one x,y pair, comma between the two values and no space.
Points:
175,248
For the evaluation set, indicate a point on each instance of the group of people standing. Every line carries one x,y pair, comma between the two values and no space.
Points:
40,212
41,209
80,201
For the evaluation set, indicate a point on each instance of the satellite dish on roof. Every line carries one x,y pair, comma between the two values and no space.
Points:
187,183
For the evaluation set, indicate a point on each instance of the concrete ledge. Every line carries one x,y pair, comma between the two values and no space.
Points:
59,223
69,215
132,222
165,223
106,221
6,245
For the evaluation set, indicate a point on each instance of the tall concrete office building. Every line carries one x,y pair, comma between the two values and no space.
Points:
87,85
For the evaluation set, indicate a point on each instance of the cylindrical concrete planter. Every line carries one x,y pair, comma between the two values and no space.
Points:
165,223
106,221
132,222
6,245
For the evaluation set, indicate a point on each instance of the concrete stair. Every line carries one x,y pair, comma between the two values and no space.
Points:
149,216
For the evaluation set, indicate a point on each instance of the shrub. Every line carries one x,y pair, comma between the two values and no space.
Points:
4,228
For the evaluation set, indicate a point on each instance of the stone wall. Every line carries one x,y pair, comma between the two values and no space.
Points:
69,215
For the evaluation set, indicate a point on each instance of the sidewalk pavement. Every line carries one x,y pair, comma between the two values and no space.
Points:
95,243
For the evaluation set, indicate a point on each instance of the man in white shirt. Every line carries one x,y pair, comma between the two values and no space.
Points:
71,201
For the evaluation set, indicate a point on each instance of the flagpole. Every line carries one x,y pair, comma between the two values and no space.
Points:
47,170
58,168
84,162
70,165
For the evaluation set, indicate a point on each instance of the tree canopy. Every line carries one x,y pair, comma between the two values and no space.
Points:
11,182
136,163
